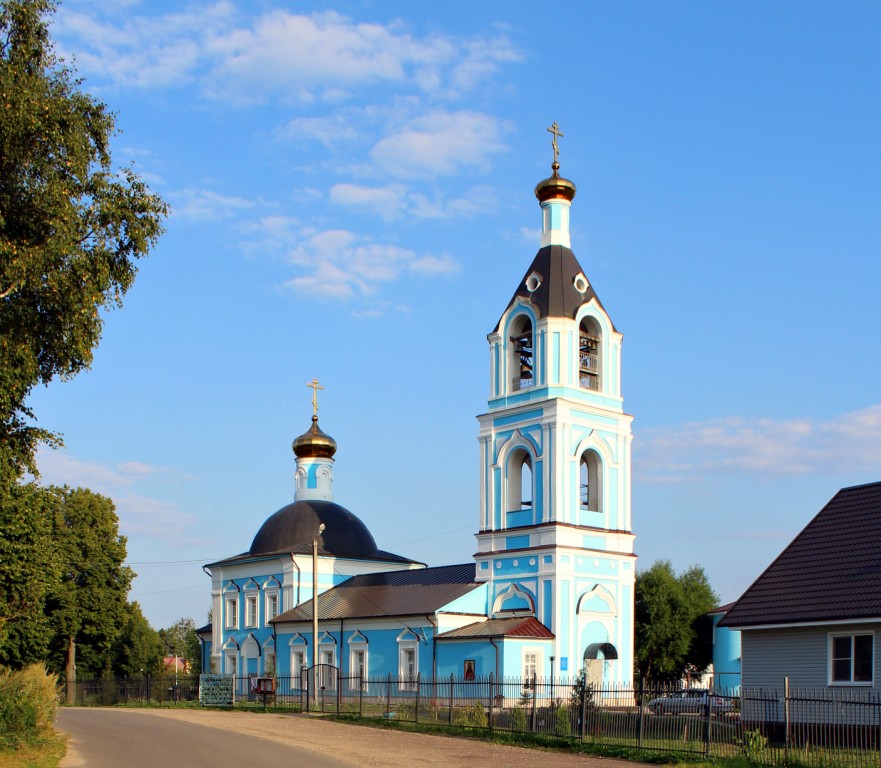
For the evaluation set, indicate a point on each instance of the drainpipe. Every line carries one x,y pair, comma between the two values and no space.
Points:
493,643
433,623
294,563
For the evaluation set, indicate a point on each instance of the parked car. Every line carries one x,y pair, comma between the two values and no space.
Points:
691,700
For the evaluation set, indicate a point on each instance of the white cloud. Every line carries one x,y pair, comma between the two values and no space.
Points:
204,205
849,443
440,143
127,483
340,264
322,56
386,202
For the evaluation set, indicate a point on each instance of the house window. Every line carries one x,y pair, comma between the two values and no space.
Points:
327,671
269,663
231,663
531,665
298,669
408,658
271,606
232,613
251,611
358,669
852,659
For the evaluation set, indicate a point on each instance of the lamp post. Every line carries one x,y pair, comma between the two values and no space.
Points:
315,614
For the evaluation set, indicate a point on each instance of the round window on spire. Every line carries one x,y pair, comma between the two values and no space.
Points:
580,283
532,282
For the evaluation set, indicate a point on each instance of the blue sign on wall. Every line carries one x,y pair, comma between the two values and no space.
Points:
564,663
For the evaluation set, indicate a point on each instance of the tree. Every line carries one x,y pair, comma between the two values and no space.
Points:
669,610
28,571
71,224
138,649
88,607
181,640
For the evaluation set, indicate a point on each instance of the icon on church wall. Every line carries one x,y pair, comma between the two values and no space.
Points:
469,669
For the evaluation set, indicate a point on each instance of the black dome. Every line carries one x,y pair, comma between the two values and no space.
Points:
293,528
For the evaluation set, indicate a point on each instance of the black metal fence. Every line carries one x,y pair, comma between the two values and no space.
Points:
827,728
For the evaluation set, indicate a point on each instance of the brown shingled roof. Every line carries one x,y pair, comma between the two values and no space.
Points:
391,593
520,626
831,571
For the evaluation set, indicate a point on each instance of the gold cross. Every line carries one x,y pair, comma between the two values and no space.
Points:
555,129
314,386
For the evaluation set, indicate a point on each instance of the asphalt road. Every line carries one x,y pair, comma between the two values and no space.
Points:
105,738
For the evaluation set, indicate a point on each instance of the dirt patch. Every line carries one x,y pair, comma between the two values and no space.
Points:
375,748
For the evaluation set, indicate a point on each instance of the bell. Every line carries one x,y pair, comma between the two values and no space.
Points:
525,370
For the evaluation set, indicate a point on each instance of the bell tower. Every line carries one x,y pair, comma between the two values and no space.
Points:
555,536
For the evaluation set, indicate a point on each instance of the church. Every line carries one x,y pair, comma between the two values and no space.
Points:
550,591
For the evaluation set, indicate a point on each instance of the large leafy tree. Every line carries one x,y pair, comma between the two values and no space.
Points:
138,649
671,622
88,607
28,571
71,224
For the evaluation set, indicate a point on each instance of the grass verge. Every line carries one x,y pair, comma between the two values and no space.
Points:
45,755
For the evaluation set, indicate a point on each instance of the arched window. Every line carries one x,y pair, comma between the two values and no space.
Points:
519,481
521,358
591,482
589,354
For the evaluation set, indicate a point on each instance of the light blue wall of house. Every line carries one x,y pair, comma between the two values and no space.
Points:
726,657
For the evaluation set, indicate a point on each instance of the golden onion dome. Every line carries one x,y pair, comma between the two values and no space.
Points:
555,187
314,443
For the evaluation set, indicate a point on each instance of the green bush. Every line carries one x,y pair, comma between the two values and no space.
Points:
471,717
753,745
562,725
28,699
518,719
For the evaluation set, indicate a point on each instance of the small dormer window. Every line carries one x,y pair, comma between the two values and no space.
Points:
533,282
580,283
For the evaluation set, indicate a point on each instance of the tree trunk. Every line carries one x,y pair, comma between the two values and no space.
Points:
71,671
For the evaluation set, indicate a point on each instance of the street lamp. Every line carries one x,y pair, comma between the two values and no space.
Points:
315,614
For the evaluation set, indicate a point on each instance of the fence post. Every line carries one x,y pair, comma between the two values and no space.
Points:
339,688
641,710
388,695
361,695
583,723
534,697
709,723
451,698
418,686
786,717
492,701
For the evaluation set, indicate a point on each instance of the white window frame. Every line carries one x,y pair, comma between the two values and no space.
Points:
326,657
231,662
536,666
358,644
299,663
252,615
270,611
231,611
833,636
406,646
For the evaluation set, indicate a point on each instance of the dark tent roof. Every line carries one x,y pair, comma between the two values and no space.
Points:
556,296
392,593
831,571
294,526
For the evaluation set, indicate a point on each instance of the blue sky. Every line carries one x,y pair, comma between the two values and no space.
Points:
351,187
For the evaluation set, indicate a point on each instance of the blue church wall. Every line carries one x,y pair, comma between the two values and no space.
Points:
557,361
517,542
564,634
547,608
451,656
474,602
593,542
